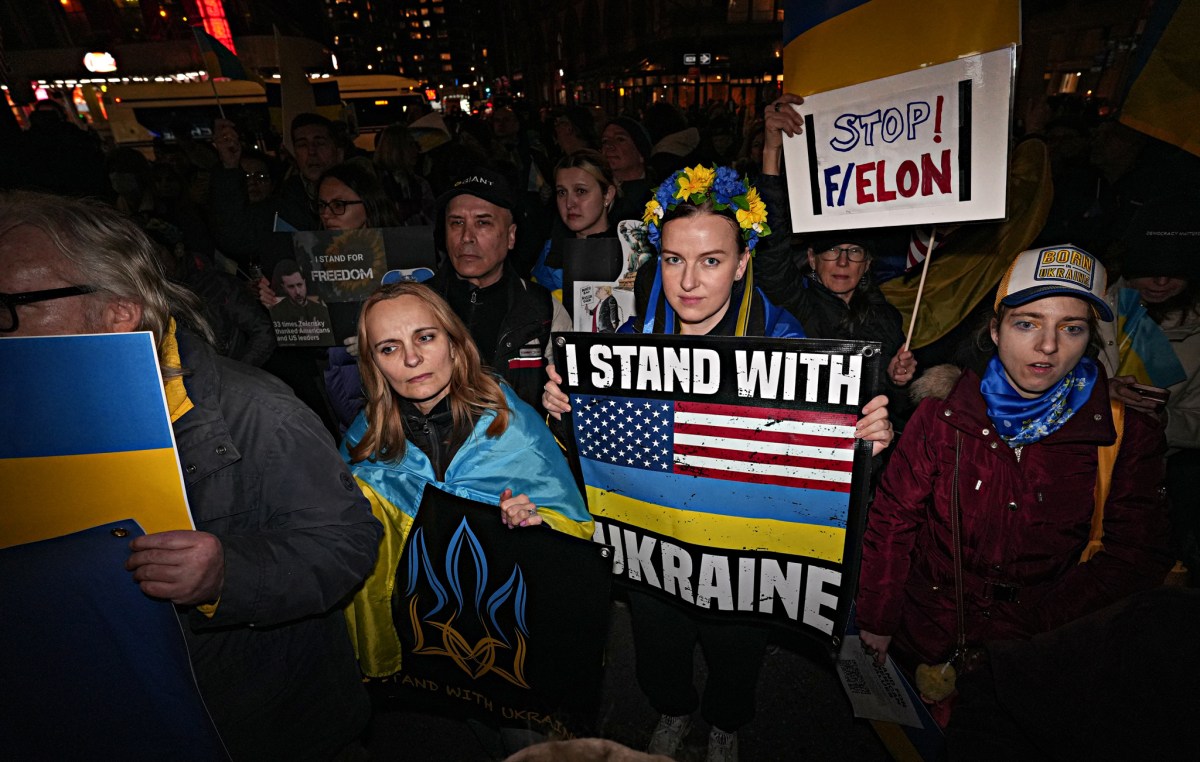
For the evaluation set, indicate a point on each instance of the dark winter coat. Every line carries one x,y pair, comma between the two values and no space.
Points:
1025,522
518,353
274,663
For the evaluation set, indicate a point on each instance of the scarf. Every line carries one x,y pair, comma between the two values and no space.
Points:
1020,421
177,399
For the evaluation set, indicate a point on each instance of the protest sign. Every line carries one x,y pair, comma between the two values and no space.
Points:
87,437
927,146
598,277
506,626
724,472
338,270
93,668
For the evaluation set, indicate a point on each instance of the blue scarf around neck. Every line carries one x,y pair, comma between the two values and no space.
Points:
1020,421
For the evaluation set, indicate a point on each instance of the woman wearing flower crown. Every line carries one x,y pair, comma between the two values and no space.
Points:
705,223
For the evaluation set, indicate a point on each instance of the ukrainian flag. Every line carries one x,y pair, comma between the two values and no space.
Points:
87,438
218,59
837,43
1145,351
1164,99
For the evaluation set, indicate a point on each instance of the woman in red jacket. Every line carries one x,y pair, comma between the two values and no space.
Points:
1021,444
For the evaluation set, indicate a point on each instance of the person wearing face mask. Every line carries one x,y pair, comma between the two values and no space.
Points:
986,508
583,190
698,286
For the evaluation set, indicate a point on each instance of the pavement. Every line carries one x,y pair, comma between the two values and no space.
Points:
803,713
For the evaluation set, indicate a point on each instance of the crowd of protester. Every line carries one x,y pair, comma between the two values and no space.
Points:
504,191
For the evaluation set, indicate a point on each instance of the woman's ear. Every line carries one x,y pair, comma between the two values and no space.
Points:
743,263
812,259
994,330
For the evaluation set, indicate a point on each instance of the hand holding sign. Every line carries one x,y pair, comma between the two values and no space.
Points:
182,566
781,117
517,510
555,402
875,426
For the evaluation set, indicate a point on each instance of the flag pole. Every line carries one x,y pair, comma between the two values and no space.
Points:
912,323
216,95
208,68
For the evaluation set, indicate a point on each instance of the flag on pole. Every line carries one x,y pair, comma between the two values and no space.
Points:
219,61
1164,99
919,248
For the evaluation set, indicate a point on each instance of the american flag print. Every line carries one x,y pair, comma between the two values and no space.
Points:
743,443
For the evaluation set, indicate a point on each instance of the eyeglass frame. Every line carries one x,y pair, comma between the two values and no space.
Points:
318,205
838,251
12,301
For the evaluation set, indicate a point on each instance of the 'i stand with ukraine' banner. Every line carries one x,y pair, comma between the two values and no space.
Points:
725,472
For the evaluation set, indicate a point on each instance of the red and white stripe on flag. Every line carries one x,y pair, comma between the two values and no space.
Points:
918,246
765,445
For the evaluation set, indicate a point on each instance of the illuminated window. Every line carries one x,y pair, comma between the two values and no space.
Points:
447,67
426,23
445,56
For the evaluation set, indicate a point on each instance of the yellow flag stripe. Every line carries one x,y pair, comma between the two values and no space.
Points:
57,495
728,532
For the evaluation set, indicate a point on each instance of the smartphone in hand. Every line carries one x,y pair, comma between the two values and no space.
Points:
1153,393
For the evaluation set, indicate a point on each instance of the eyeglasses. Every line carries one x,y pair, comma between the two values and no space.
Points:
853,253
336,207
257,177
9,302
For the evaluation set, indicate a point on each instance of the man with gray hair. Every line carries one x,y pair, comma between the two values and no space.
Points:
283,533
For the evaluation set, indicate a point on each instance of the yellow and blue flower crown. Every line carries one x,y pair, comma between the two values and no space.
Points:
698,184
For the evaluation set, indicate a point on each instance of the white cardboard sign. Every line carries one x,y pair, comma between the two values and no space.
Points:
924,147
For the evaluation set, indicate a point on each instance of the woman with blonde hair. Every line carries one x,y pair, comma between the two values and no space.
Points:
435,417
584,189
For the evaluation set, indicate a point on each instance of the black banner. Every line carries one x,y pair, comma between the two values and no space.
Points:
504,625
724,471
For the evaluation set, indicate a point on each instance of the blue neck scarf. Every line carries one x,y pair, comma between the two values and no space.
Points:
1021,421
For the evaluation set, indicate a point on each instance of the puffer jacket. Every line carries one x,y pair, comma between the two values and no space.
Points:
1025,520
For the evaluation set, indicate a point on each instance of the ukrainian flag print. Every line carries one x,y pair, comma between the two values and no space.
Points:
86,438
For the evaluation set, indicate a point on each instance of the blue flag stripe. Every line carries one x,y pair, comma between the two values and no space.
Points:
724,498
79,395
802,15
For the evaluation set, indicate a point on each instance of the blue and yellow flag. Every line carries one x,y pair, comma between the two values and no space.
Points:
837,43
87,438
1164,99
1145,351
220,62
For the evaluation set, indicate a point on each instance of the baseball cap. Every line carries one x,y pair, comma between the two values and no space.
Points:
1064,270
483,183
